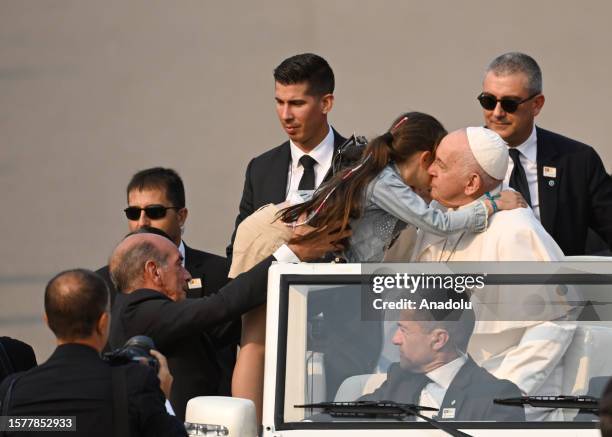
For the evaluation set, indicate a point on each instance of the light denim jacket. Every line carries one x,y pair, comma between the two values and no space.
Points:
390,204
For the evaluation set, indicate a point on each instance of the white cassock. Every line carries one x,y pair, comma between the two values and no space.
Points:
528,353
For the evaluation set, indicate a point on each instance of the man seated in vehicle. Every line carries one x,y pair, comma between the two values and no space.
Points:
435,371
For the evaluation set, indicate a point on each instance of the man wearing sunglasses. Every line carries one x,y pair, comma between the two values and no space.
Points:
156,199
563,180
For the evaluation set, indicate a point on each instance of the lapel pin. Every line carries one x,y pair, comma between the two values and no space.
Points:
453,402
448,413
550,172
551,183
195,283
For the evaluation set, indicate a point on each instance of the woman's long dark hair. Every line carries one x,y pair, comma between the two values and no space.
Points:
410,133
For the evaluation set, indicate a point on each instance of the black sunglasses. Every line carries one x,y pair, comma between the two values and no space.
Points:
154,212
508,104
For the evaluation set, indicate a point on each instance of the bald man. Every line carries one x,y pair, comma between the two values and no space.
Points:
75,381
470,163
148,268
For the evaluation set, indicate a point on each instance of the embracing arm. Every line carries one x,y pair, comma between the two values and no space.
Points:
167,321
392,195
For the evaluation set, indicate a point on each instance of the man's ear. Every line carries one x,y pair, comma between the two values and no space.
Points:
151,272
538,103
182,216
327,103
439,339
103,324
46,320
473,185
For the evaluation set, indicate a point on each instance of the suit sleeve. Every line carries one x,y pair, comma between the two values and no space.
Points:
168,321
245,209
227,333
147,405
391,194
600,195
504,413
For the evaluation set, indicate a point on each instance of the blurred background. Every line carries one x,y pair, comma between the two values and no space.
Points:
92,91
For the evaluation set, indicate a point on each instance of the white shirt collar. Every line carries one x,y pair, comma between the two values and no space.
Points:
444,375
181,249
529,149
323,153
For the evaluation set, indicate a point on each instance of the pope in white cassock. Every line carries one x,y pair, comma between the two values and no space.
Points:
469,163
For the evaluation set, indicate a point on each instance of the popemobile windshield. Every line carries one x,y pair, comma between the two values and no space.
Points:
463,349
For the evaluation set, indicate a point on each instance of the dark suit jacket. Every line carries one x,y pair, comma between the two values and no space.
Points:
266,181
578,198
76,382
178,328
471,394
212,270
19,357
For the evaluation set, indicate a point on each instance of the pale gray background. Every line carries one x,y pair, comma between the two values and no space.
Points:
92,91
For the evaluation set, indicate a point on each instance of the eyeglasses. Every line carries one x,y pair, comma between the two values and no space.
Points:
508,104
154,212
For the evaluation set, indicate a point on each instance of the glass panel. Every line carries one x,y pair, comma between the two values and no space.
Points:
531,337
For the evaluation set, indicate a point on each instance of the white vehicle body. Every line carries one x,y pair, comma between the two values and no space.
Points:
296,375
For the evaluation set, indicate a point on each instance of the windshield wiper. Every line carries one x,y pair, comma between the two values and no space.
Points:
588,403
382,408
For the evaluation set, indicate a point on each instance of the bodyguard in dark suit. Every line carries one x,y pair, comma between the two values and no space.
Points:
156,198
563,180
303,90
148,270
435,371
469,397
75,381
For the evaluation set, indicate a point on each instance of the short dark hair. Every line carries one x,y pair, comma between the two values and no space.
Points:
160,178
146,229
74,302
309,68
517,62
459,323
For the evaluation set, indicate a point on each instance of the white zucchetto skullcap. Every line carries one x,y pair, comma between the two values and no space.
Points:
490,151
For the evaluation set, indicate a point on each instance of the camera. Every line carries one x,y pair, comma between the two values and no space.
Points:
136,349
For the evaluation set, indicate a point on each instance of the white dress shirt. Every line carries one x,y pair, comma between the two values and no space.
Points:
181,249
433,393
528,156
323,154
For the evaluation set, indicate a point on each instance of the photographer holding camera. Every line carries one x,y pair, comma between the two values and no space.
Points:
105,398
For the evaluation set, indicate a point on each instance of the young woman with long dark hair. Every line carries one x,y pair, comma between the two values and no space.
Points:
376,199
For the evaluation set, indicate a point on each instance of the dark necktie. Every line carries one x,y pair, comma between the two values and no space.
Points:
408,386
518,178
308,177
411,390
416,386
